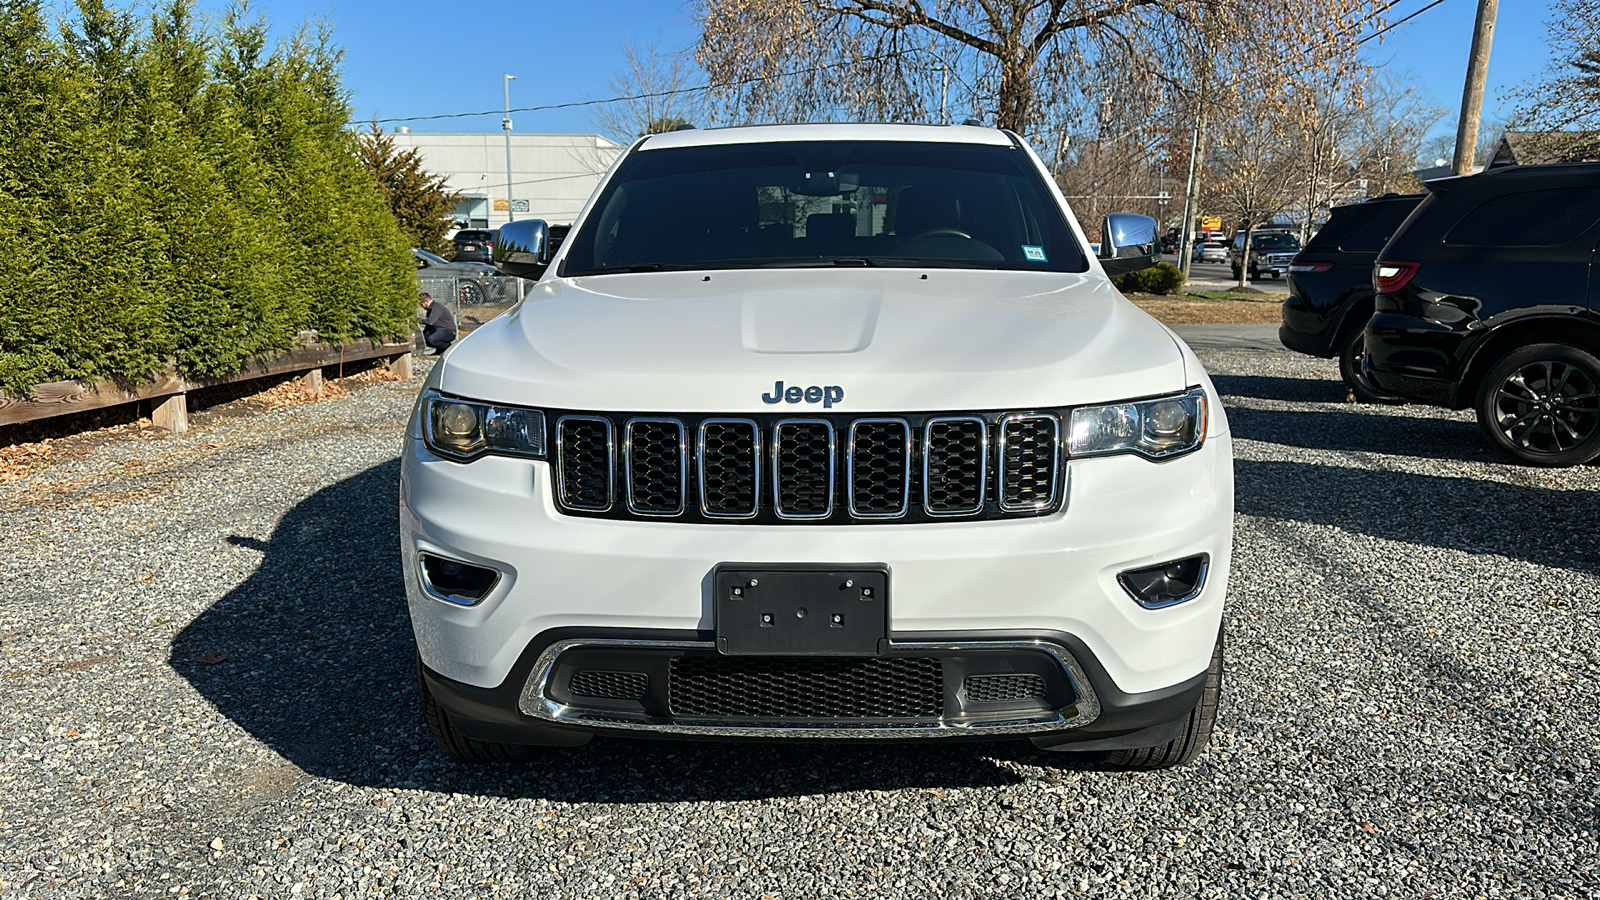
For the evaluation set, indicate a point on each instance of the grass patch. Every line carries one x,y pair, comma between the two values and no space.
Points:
1213,307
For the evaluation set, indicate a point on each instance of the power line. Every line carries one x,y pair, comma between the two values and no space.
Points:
1397,23
647,96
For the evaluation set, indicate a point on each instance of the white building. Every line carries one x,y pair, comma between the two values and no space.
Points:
551,174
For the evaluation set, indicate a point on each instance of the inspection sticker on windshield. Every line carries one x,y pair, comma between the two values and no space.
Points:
1036,254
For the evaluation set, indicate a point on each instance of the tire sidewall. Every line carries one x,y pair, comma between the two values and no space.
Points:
1507,366
1351,350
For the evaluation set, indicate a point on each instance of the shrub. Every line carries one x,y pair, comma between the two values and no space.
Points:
170,193
1162,278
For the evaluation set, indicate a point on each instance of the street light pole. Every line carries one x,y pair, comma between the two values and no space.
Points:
505,123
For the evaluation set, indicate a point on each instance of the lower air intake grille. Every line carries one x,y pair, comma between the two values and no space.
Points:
610,685
1001,688
807,688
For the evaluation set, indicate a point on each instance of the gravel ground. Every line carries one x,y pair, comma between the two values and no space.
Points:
207,692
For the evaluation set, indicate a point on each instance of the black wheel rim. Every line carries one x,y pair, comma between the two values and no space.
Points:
1548,407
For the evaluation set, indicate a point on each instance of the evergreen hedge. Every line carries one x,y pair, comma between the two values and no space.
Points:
1162,278
170,191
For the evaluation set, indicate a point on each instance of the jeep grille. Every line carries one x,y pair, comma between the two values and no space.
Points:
823,469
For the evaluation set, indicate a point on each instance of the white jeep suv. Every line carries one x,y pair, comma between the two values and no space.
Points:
821,432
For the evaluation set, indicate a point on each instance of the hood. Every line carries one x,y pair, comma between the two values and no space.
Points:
867,340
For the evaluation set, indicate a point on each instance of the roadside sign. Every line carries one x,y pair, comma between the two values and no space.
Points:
1211,223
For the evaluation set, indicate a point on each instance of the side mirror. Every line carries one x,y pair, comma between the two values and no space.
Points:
1128,243
523,249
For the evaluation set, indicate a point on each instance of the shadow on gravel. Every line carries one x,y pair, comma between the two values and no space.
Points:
1268,387
1551,528
312,655
1429,437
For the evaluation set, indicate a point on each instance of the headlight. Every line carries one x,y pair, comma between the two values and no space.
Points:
1156,429
463,429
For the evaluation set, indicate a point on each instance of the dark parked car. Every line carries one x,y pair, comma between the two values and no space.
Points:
474,245
1270,252
1486,297
1330,287
470,280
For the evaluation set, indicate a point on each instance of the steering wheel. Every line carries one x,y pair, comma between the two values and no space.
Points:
940,232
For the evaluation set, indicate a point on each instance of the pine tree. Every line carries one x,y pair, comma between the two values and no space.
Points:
422,203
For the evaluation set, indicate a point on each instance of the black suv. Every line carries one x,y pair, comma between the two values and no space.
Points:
474,245
1330,287
1487,297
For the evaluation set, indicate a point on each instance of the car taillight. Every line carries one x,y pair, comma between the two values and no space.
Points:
1310,266
1388,277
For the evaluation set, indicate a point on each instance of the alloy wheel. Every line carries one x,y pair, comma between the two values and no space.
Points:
1548,406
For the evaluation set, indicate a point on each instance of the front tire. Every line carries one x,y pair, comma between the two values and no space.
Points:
1540,405
457,745
1355,376
1192,737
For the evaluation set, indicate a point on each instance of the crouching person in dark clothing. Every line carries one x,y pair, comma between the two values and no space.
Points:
438,326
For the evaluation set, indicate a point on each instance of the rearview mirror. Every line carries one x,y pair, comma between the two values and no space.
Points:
523,248
1128,243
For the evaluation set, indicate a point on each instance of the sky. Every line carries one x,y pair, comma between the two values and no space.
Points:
409,58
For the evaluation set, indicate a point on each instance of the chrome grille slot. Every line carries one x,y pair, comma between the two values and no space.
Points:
729,463
955,465
1030,458
879,461
656,466
585,462
802,468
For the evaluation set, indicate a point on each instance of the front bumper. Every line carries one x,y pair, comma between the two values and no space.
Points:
1048,582
1075,705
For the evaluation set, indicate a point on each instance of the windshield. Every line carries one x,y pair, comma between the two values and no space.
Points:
1274,241
889,203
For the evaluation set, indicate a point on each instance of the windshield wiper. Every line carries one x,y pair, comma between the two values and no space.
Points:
640,267
863,261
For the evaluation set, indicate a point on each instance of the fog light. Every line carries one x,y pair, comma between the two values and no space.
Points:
454,581
1168,584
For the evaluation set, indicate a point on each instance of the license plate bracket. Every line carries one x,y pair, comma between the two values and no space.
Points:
795,610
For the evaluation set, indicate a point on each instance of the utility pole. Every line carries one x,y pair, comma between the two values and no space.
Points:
1472,95
944,92
1191,194
506,124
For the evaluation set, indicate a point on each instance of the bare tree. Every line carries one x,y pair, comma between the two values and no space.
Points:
1390,133
1253,172
663,91
1567,96
1019,60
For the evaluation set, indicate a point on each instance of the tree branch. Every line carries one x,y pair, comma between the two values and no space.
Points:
908,16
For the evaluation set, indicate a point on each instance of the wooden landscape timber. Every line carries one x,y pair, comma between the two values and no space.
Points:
60,398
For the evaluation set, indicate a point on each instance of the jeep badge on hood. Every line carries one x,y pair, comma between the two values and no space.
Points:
827,396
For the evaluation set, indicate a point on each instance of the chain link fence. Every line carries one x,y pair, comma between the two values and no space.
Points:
473,300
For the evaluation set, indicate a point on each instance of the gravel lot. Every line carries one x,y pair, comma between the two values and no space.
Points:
207,692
